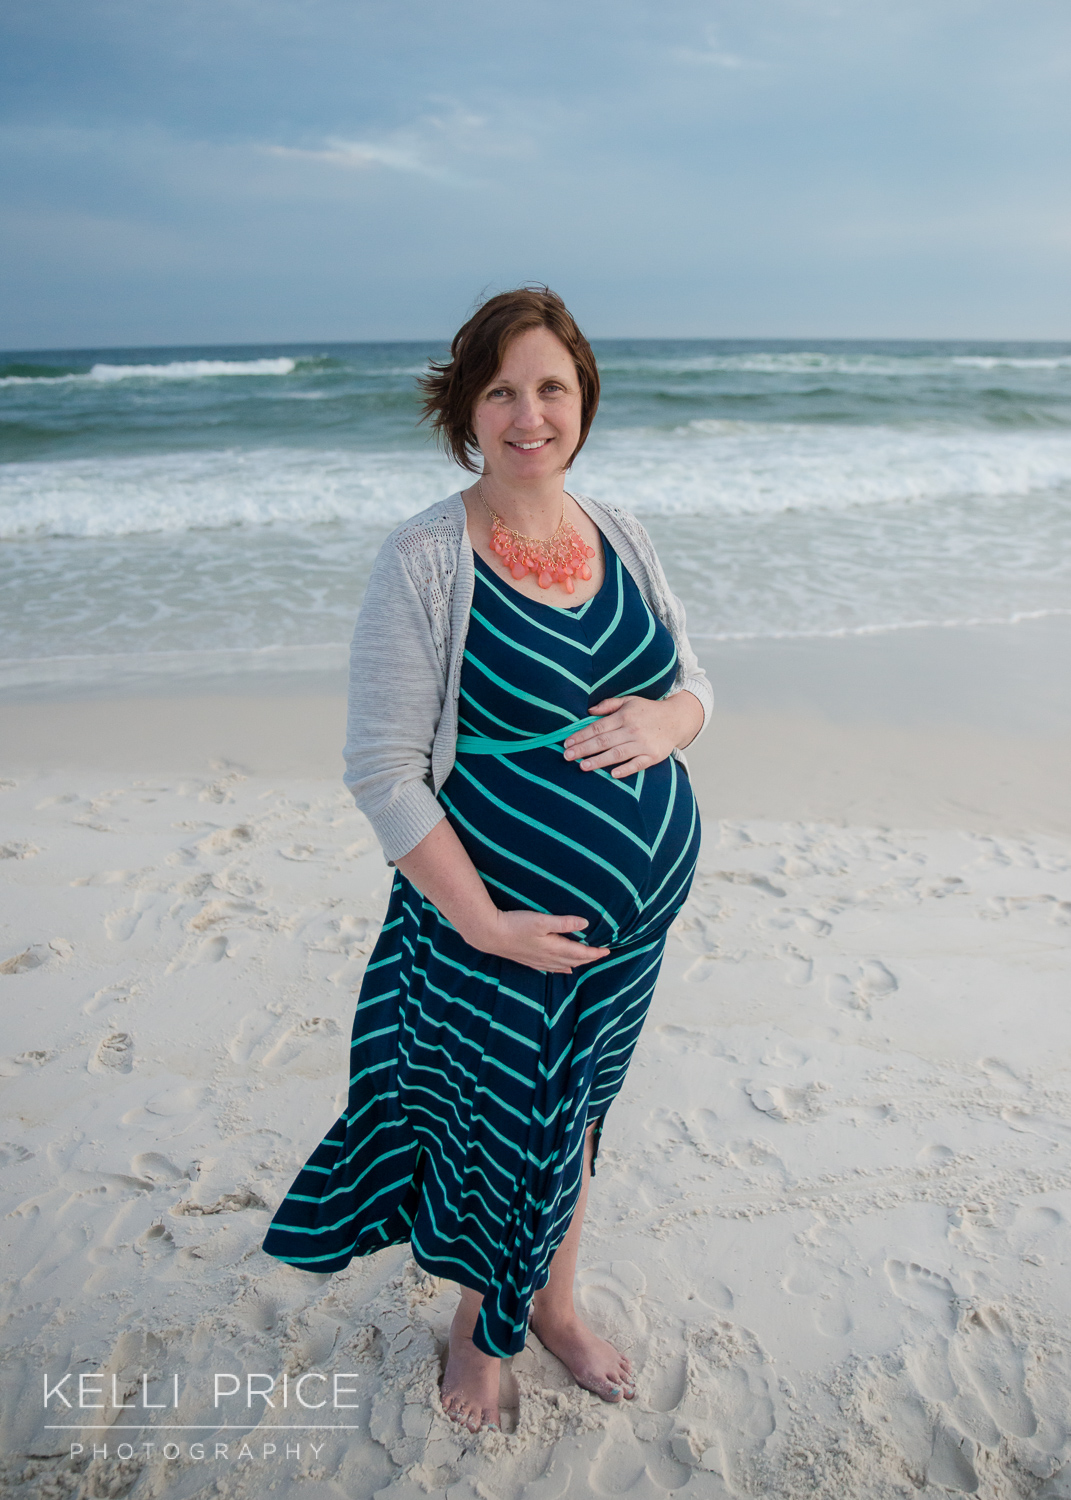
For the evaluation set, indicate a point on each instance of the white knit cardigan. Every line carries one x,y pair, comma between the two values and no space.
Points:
408,646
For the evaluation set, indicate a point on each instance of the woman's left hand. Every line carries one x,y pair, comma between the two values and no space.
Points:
635,732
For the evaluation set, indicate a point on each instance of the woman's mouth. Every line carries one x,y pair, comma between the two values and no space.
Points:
528,447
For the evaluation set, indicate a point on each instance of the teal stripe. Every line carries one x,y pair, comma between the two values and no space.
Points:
608,632
572,613
524,650
514,691
561,838
621,665
581,802
528,865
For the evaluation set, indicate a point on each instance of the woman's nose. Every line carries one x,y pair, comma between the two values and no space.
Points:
528,412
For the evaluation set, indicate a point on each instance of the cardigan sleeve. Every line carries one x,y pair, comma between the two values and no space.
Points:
690,675
396,692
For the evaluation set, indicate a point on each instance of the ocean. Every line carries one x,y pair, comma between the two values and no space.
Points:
178,516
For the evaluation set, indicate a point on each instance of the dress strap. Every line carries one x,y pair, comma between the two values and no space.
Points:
476,744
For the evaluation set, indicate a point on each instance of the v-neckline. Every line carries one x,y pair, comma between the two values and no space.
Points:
575,611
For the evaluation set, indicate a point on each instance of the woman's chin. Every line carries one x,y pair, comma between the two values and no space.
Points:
531,467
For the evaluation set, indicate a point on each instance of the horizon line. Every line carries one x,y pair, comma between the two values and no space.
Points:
618,338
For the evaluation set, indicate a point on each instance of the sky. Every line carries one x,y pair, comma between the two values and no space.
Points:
248,171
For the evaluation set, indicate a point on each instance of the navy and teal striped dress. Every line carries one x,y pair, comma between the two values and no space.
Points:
473,1078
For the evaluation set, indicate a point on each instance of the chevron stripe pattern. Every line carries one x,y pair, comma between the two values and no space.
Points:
473,1078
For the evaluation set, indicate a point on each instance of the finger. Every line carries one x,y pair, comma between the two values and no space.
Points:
589,956
613,755
586,736
630,768
610,735
580,955
567,924
607,706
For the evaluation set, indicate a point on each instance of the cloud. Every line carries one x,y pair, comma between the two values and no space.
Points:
428,148
710,55
359,154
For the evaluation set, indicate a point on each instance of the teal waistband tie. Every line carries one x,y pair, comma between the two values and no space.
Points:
475,744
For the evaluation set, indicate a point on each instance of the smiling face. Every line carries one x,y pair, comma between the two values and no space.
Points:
527,421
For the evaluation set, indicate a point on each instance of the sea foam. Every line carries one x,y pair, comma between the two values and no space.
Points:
181,369
704,468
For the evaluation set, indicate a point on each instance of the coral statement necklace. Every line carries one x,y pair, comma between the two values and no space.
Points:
557,560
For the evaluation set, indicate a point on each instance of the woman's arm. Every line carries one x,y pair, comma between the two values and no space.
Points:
442,871
396,693
636,732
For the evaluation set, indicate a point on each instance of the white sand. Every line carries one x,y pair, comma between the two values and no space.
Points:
830,1221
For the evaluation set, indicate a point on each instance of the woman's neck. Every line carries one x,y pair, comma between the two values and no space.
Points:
533,510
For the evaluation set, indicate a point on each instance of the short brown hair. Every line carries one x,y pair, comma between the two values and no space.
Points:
451,386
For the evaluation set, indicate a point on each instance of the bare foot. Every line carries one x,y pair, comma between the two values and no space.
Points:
592,1362
470,1384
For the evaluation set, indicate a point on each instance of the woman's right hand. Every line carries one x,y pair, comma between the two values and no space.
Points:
442,871
534,939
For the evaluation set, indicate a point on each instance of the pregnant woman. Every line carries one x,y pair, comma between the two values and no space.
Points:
521,687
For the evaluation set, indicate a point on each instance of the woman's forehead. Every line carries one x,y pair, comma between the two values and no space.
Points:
536,351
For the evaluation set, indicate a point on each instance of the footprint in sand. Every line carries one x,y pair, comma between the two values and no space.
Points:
790,1105
875,981
18,850
1003,1076
929,1445
119,925
620,1463
226,1203
294,1042
168,1104
209,950
705,967
12,1067
154,1167
751,1154
58,950
986,1351
113,1054
700,1130
257,1310
253,1028
726,1414
935,1155
611,1292
225,840
824,1287
798,970
1038,1220
156,1243
664,1383
111,994
926,1292
666,1127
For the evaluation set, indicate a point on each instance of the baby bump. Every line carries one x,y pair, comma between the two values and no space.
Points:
546,836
